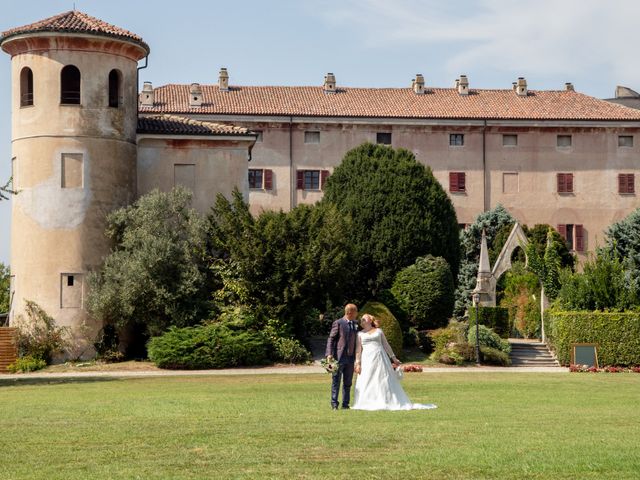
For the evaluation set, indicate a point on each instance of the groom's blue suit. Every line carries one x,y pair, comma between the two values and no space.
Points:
342,346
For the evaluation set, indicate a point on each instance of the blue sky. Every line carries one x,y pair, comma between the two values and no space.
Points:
367,43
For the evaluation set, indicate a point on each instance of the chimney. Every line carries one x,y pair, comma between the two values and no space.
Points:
147,96
456,83
463,85
329,83
514,85
195,95
223,80
569,87
418,84
521,87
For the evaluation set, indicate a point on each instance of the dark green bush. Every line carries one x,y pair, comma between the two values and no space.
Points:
488,338
107,344
290,350
496,318
27,364
388,324
616,334
494,356
424,291
209,346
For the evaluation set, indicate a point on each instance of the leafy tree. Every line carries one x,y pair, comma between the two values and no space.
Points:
603,285
547,266
280,264
155,275
492,222
623,240
522,298
5,280
424,291
538,235
399,212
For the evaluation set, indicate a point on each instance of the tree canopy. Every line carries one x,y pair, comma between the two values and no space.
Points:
4,287
155,275
398,210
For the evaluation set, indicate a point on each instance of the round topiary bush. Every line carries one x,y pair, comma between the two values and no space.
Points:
388,324
424,291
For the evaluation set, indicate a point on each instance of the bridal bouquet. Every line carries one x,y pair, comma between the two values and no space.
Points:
330,366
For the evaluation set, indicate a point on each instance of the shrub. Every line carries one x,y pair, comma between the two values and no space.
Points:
450,344
496,318
494,356
488,338
522,299
616,334
388,324
27,364
5,280
39,336
290,350
209,346
424,291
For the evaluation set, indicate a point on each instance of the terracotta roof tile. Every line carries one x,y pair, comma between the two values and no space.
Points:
176,125
75,22
437,103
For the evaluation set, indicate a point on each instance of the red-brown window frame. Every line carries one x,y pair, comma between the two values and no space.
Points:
626,183
457,182
565,182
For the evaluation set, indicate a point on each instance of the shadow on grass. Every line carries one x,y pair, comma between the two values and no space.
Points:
20,382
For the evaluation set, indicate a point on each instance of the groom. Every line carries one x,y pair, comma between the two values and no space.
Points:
341,345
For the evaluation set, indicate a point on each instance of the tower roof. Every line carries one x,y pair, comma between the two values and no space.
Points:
75,21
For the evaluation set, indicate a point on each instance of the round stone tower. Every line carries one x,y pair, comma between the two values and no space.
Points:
74,115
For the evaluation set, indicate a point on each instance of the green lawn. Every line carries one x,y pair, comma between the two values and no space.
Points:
488,425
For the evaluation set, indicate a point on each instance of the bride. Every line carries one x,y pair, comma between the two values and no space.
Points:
378,386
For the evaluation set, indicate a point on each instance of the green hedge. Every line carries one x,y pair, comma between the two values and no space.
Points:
496,318
209,346
616,334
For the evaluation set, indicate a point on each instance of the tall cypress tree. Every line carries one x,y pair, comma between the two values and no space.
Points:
399,212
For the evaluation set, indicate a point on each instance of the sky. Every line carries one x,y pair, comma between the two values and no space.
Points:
365,43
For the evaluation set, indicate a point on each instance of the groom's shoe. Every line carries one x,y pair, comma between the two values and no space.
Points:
334,407
345,407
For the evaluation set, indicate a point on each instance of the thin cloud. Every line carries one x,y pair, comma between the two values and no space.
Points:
569,38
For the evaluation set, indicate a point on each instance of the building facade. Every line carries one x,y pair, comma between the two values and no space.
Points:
557,157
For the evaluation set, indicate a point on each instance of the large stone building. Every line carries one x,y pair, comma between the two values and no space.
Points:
85,143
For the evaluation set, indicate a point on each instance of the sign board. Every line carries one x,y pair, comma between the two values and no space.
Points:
584,354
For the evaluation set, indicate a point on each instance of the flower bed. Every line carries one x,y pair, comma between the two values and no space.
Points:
607,369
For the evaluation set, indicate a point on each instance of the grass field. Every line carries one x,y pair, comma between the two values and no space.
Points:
487,426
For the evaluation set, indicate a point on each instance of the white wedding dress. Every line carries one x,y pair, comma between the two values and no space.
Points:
378,386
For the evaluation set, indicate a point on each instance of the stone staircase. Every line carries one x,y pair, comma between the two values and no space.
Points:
531,353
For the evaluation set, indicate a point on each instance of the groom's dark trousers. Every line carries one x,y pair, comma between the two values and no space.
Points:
342,346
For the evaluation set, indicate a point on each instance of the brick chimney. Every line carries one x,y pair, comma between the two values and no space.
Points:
329,83
195,95
521,87
569,87
147,96
463,85
223,80
418,84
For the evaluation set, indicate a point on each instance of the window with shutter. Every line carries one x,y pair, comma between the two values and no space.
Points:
255,178
579,236
565,182
300,180
268,179
457,181
562,230
324,174
626,183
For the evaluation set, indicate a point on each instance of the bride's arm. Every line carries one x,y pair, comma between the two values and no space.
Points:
388,349
358,354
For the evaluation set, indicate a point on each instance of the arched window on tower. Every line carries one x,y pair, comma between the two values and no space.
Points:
70,85
26,87
115,88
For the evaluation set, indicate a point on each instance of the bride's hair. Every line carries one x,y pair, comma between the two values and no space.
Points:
371,319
